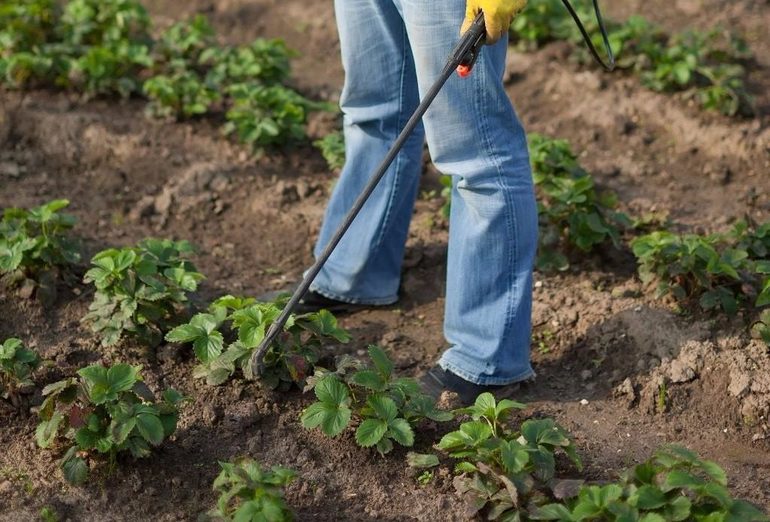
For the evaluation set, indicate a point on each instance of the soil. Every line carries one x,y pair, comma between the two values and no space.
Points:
602,345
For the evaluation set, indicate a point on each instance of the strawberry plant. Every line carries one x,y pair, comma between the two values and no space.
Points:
707,65
332,147
290,359
26,24
102,22
266,115
181,94
34,245
673,485
385,408
140,291
26,31
249,493
722,271
499,470
572,213
264,62
542,21
108,69
16,366
105,411
186,41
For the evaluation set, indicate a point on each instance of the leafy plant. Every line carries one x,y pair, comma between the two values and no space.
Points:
34,244
25,25
16,366
103,22
707,64
264,62
290,359
140,290
247,492
181,94
107,69
673,485
49,514
722,271
263,115
332,147
384,407
186,41
104,410
500,471
572,213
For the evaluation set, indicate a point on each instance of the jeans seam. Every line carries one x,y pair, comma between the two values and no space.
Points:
399,157
509,213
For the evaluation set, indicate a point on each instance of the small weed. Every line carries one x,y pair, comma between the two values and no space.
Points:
662,403
49,514
424,478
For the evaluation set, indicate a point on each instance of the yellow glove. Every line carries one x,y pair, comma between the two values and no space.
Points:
498,15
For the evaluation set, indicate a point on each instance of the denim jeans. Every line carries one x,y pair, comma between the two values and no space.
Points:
392,51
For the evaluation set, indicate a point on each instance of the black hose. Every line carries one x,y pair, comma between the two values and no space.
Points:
610,66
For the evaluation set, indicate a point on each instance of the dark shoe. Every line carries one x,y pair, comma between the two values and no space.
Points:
437,380
313,302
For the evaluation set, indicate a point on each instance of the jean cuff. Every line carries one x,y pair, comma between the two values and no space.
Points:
477,378
377,301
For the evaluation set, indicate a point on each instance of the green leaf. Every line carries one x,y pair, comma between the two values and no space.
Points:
86,438
368,379
680,479
75,470
714,471
742,511
122,377
400,431
514,456
382,363
332,419
552,512
649,498
421,460
46,431
679,508
370,432
150,427
652,517
384,407
331,390
324,324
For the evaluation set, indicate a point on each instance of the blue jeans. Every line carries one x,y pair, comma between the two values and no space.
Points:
392,51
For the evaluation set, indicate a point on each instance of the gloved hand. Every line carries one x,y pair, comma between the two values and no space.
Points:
498,15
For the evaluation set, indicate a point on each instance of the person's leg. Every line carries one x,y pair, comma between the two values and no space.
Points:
474,134
379,95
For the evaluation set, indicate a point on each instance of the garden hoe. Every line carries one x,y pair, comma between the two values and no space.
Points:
461,60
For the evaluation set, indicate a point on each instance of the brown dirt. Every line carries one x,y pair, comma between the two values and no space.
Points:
598,337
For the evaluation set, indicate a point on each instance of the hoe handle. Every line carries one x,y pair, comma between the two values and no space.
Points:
464,55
